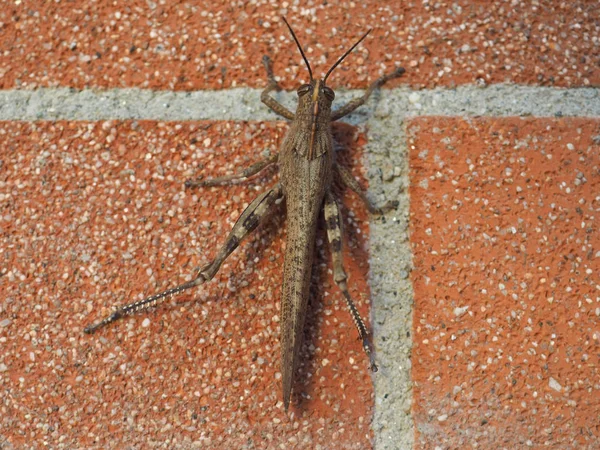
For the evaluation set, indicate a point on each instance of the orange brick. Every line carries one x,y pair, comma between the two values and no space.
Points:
504,229
96,215
187,46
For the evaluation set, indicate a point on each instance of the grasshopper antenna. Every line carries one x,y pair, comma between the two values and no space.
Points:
300,47
345,54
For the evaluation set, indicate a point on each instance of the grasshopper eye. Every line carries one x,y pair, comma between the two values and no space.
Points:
304,89
329,93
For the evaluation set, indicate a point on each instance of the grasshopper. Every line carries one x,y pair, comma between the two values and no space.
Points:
307,169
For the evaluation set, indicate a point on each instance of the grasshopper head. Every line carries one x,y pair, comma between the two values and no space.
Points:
316,97
316,94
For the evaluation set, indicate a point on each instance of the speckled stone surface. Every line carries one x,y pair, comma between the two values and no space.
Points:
504,229
199,45
96,215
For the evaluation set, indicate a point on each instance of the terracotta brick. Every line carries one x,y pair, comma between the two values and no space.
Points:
504,229
201,45
96,215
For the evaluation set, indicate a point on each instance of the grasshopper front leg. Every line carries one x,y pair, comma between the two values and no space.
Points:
247,222
273,104
353,104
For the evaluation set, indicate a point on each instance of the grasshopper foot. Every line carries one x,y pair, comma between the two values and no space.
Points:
387,207
268,63
398,72
198,182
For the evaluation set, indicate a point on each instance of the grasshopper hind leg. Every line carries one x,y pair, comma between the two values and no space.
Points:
252,216
334,236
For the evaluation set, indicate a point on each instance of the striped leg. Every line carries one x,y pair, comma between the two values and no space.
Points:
245,173
247,222
348,180
334,235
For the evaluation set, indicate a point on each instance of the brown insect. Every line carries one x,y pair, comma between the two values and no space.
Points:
307,169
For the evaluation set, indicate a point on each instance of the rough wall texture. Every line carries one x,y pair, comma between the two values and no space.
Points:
94,214
506,246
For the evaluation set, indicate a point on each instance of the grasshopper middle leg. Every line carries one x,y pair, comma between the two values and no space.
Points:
244,173
348,180
247,222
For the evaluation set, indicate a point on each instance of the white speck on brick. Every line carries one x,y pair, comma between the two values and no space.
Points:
459,311
555,385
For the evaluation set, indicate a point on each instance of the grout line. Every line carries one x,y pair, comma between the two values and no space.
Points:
386,153
244,103
391,289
